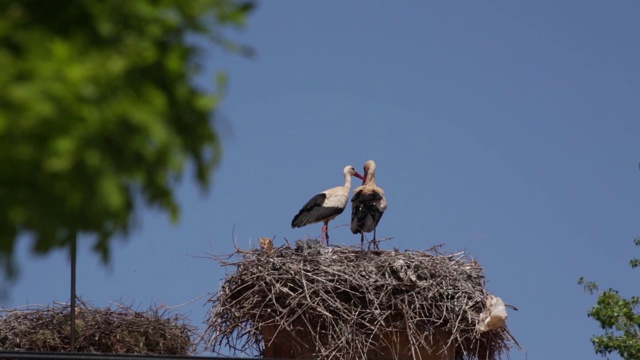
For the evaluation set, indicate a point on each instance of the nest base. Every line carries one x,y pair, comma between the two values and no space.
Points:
344,303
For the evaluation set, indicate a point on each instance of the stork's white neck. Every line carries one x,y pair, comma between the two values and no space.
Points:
371,177
347,180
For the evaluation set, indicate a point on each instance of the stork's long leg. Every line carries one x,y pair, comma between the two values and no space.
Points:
325,231
361,241
375,241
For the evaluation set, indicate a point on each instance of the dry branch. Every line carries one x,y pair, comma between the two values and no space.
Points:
343,299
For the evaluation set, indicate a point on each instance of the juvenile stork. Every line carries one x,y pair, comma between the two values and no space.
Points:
367,205
325,206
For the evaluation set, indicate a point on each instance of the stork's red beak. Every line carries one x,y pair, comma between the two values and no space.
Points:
357,174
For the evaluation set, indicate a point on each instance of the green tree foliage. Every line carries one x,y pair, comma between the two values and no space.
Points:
99,114
619,319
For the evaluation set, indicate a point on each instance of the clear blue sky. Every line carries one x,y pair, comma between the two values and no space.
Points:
508,130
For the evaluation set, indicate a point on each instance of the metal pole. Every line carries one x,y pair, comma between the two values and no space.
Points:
73,292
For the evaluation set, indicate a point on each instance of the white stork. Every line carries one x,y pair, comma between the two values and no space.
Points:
325,206
367,205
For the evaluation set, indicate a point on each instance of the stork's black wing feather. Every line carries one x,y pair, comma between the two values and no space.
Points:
365,215
304,215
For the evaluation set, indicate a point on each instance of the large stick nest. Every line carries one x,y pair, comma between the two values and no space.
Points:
118,330
342,300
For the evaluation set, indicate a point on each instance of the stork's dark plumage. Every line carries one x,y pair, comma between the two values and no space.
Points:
325,206
367,205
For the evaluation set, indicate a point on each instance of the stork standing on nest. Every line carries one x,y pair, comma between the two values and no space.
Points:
367,205
325,206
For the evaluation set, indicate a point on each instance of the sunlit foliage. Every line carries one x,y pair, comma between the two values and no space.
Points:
618,317
99,114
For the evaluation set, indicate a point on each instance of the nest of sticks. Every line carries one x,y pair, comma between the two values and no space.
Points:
114,330
337,301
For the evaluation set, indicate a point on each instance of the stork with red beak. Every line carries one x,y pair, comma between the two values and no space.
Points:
325,206
367,205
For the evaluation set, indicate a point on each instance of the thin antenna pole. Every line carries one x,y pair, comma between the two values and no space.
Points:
73,292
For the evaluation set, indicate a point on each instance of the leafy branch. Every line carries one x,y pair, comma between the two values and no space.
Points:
618,317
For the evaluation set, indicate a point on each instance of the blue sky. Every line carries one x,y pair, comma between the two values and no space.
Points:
508,130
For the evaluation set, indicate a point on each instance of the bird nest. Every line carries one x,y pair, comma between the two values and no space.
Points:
118,330
338,302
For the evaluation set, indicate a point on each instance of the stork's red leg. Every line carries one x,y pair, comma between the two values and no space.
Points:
325,228
324,233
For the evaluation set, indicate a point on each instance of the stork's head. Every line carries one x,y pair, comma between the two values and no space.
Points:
350,170
369,171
